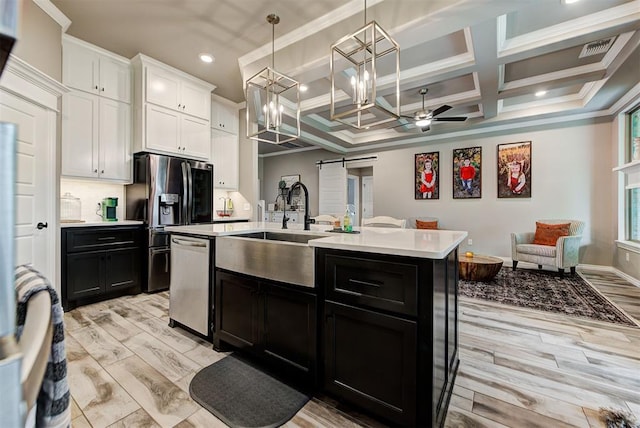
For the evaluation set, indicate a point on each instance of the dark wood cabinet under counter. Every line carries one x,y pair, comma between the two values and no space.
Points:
99,263
273,321
389,333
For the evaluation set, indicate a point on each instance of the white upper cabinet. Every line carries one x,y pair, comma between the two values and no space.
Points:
96,113
94,70
96,137
168,131
195,99
171,91
162,88
225,156
224,115
172,110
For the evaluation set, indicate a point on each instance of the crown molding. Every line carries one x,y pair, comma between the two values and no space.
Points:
301,33
55,13
27,82
619,15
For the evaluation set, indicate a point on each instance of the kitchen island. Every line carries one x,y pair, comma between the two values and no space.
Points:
378,327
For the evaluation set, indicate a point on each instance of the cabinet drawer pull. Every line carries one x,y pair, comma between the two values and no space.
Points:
345,291
107,238
368,283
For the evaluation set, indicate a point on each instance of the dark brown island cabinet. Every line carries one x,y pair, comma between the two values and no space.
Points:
273,321
389,333
99,263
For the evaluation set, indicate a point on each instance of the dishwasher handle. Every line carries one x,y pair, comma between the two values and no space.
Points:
188,243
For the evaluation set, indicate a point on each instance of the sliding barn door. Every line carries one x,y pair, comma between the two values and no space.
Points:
332,195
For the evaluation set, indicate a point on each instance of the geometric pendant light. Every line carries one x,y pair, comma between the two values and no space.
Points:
273,102
365,77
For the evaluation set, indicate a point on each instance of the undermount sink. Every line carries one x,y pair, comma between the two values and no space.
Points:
279,256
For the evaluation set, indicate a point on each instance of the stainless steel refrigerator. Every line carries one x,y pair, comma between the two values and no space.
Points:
167,191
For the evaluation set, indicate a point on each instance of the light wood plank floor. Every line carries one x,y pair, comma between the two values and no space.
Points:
519,367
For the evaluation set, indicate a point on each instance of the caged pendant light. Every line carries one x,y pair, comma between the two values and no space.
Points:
365,77
273,102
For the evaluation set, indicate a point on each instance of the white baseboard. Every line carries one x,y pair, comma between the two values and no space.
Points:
631,279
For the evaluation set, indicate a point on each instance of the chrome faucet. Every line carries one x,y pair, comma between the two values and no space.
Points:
307,220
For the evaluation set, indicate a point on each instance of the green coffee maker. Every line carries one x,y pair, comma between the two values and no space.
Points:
108,209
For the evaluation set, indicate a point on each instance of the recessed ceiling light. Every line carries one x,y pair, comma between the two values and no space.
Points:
208,58
540,93
570,1
303,88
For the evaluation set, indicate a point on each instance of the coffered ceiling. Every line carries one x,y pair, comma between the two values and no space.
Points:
485,58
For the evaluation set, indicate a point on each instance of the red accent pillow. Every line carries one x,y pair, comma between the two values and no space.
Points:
426,224
548,234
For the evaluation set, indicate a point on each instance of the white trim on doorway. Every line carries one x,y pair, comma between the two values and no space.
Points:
31,85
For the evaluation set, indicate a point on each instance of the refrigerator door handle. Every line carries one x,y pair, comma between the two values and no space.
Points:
190,199
185,195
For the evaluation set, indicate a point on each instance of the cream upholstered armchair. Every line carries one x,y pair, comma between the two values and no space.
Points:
564,254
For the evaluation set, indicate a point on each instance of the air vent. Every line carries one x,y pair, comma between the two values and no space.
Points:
596,48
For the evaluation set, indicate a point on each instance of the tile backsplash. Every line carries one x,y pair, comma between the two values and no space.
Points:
91,194
241,207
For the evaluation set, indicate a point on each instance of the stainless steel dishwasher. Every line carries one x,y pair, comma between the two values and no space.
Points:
189,287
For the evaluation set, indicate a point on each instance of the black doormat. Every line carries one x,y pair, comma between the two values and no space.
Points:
546,291
241,395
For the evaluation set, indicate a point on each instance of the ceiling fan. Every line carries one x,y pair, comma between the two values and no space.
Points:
423,118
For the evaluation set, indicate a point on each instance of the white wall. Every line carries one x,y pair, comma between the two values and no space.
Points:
39,40
571,178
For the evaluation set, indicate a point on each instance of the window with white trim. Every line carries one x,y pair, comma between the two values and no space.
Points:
633,195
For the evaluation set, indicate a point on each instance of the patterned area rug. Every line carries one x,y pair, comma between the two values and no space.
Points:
546,291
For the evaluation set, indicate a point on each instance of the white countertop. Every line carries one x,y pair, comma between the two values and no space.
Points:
102,223
430,244
219,218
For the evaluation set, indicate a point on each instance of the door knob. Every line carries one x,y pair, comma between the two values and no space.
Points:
42,225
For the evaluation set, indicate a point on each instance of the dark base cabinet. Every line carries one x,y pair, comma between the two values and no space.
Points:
390,333
99,263
370,357
272,321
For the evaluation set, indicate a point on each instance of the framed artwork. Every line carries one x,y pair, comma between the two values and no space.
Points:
289,181
426,183
514,170
467,173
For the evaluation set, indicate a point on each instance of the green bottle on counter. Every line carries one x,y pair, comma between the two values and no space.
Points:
346,221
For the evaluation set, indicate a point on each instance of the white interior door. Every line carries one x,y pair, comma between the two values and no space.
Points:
367,196
34,183
353,196
332,189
